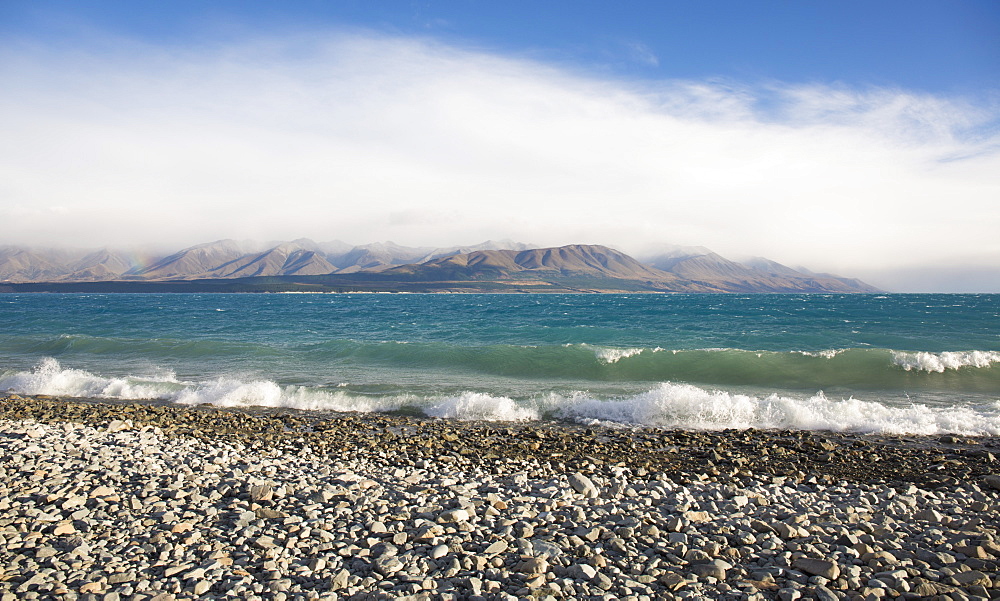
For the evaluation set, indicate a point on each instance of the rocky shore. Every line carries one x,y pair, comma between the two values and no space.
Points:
142,501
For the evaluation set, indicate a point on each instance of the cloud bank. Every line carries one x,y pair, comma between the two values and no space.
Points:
361,136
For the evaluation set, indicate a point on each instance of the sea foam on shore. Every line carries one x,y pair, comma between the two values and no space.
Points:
666,404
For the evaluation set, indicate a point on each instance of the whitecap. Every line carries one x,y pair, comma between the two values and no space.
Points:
481,406
614,355
940,362
687,406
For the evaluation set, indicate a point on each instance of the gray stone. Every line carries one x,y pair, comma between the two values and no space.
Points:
261,492
817,567
339,580
119,425
583,485
533,565
453,515
265,542
972,578
707,570
202,587
581,571
824,594
788,594
928,515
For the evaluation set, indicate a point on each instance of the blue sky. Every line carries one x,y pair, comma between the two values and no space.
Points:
859,137
934,46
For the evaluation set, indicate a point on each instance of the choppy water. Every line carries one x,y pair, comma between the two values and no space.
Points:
891,363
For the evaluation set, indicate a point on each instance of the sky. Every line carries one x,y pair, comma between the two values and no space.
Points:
857,137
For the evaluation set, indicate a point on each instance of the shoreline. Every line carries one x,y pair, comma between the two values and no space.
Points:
106,501
715,455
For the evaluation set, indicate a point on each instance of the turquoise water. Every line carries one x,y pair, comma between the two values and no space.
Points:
890,363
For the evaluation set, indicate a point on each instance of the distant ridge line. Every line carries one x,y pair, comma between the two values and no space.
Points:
493,265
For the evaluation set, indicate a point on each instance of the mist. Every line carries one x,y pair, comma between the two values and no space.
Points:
360,136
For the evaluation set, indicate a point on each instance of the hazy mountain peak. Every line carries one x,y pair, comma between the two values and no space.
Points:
678,269
674,250
771,267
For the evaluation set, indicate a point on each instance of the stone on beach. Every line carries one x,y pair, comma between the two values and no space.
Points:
453,515
261,492
134,514
818,567
583,485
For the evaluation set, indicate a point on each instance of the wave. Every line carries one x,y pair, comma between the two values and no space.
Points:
858,369
667,405
190,348
690,407
941,362
614,355
861,369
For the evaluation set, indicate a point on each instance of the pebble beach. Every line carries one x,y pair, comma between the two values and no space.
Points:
107,501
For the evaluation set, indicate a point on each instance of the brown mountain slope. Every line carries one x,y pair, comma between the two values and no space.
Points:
577,260
100,265
25,265
284,259
195,261
576,267
714,271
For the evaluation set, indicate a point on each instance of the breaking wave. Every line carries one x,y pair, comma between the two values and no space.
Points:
941,362
866,369
667,404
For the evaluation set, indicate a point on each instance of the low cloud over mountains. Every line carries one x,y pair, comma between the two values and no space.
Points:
682,269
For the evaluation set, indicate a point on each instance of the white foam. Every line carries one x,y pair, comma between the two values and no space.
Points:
667,405
614,355
50,378
824,354
940,362
690,407
480,406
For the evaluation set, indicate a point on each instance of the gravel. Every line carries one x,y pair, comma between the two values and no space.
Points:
141,502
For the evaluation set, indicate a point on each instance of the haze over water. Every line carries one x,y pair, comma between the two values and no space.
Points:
897,363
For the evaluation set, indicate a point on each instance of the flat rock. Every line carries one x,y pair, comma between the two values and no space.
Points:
707,570
817,567
973,578
261,492
697,517
582,571
533,565
63,529
453,516
824,594
929,515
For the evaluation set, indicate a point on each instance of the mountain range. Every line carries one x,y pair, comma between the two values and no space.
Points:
493,265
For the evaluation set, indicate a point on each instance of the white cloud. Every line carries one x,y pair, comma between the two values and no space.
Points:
365,137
